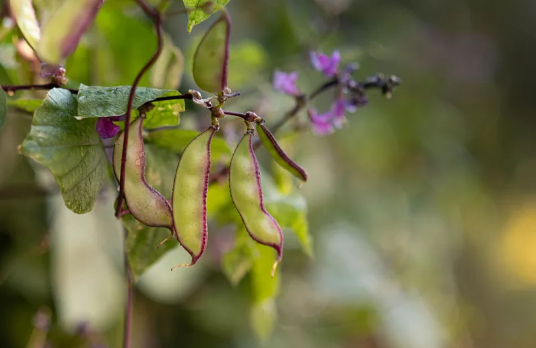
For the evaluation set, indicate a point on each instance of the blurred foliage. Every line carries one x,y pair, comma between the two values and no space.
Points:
421,209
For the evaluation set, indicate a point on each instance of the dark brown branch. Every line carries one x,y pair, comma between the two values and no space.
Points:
186,96
15,88
155,15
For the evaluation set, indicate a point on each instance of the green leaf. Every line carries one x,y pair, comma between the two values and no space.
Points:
177,139
165,113
142,241
28,105
246,62
291,214
211,58
64,29
95,101
24,14
168,69
264,288
3,107
237,262
200,10
71,149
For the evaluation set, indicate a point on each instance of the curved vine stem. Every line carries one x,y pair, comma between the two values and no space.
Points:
157,18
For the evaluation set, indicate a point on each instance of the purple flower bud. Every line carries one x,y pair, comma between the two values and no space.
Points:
321,123
52,70
106,128
325,64
286,83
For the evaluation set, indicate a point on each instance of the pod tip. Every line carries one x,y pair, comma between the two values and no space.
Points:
274,267
165,240
182,265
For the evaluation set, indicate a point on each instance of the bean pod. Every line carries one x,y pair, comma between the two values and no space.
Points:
246,193
269,142
190,195
145,203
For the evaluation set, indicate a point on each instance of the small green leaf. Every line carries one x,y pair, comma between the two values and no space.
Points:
95,101
71,149
211,58
168,69
3,107
177,139
264,291
28,105
165,113
237,262
142,241
65,28
24,14
200,10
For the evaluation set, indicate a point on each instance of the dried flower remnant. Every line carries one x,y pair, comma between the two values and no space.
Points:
328,65
286,83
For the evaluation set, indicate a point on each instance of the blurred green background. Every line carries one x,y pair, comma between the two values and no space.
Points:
422,209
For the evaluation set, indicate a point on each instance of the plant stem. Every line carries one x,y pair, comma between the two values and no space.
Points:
186,96
130,299
9,88
155,15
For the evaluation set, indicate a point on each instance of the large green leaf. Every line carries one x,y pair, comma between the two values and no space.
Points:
200,10
24,14
95,101
71,149
142,241
211,58
64,29
3,107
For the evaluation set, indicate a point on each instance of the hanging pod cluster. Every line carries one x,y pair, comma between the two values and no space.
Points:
186,216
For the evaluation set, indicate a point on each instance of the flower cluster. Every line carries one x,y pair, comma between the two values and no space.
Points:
334,118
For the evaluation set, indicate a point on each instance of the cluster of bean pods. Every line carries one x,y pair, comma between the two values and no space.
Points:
186,216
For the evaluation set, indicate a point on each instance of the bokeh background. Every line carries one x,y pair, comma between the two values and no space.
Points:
422,209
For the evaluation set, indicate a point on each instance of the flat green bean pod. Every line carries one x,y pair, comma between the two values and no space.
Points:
190,195
145,203
269,142
246,193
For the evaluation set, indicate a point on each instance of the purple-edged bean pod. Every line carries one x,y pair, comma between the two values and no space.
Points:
246,193
145,203
190,195
269,142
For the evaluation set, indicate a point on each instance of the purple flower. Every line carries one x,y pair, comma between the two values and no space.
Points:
337,112
325,64
286,83
321,123
106,128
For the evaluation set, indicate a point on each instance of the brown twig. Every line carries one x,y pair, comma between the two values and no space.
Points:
14,88
130,295
155,15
